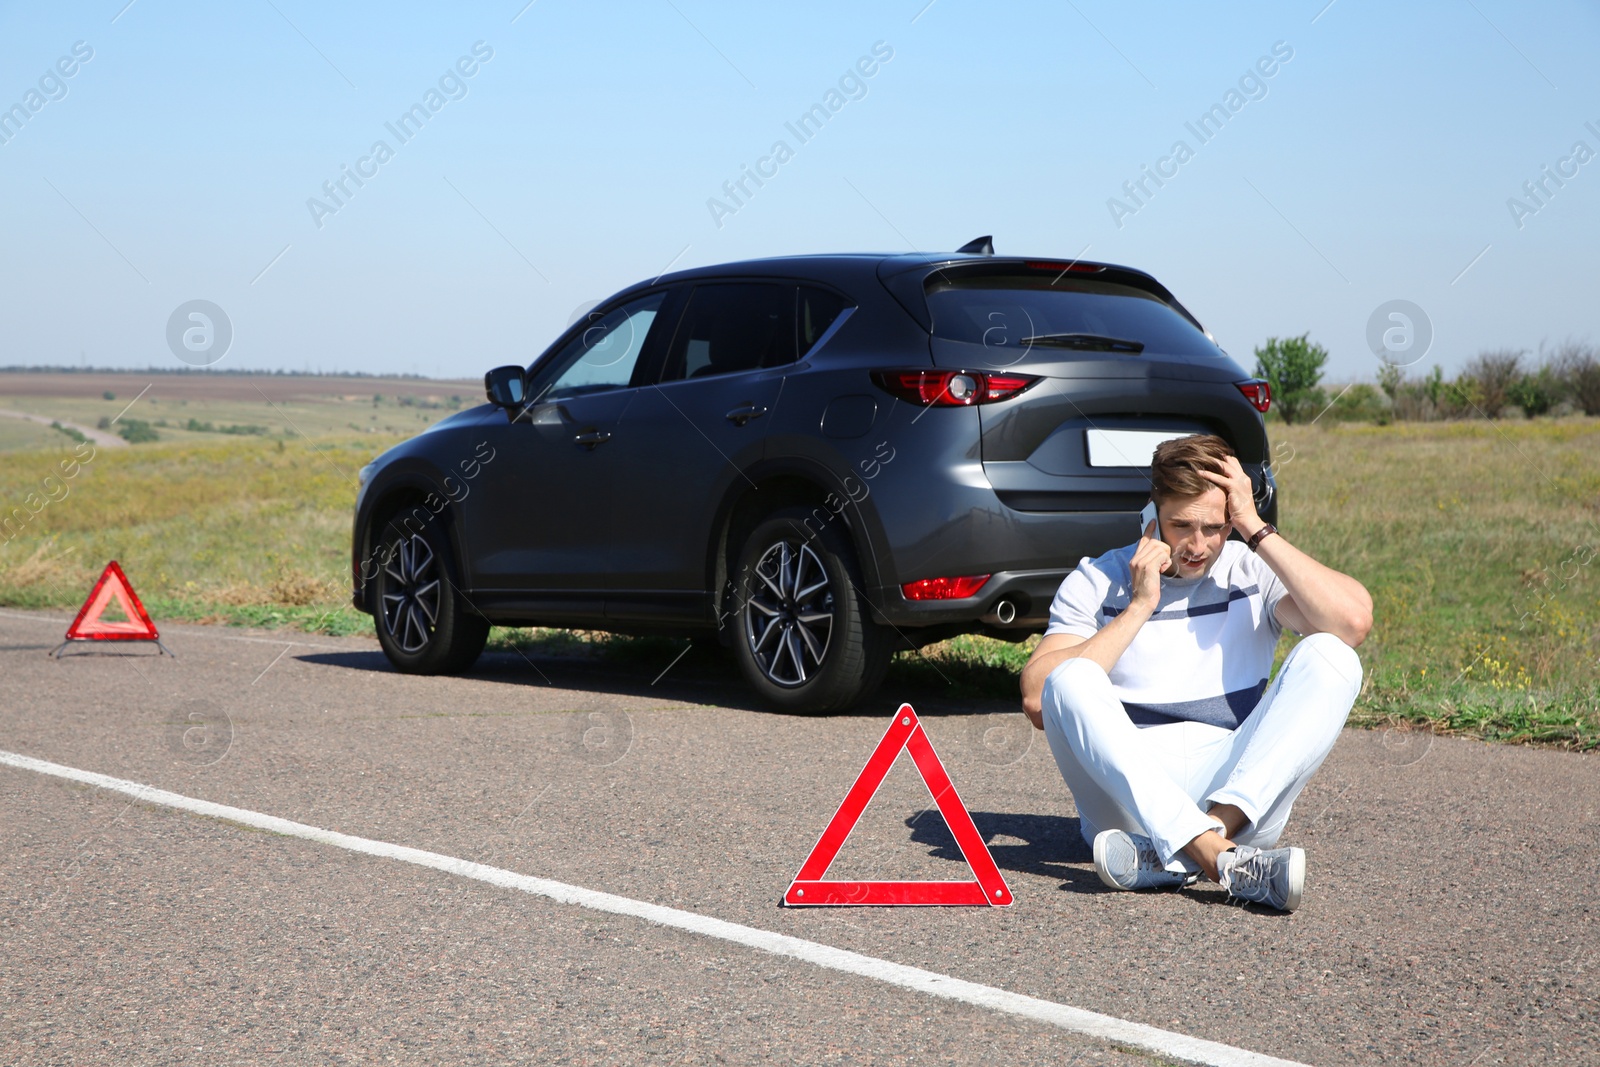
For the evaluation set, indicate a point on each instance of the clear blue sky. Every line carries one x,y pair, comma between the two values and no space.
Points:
1374,164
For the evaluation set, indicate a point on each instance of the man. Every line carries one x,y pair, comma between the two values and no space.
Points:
1151,685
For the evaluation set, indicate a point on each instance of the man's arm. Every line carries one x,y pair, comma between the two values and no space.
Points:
1320,599
1111,640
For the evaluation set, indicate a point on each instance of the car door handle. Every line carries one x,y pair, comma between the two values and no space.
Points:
590,438
741,415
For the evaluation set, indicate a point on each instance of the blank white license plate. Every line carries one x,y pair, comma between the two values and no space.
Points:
1126,448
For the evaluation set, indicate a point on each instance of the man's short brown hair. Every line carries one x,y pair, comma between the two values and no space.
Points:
1175,463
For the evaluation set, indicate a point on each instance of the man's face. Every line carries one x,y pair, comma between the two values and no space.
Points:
1195,528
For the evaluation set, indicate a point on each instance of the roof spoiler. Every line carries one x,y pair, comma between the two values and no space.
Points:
906,277
978,246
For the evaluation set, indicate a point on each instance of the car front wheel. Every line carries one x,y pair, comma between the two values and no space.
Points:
424,623
805,639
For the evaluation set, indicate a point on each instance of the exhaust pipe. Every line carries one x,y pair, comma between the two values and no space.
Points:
1005,612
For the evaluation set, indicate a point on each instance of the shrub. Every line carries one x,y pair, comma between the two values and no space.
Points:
137,431
1361,402
1461,399
1293,367
1538,392
1575,366
1492,384
1390,380
248,430
1485,384
1413,401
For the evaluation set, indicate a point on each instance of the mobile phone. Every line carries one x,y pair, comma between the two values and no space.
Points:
1146,517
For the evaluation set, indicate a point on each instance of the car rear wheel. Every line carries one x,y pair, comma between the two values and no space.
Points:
805,639
424,623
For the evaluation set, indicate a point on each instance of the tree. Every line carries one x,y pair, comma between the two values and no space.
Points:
1293,367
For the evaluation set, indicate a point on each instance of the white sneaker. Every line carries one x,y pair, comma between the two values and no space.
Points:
1129,861
1275,877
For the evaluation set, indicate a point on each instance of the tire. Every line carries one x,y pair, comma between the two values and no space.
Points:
424,623
804,635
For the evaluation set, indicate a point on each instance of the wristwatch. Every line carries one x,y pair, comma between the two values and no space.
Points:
1259,536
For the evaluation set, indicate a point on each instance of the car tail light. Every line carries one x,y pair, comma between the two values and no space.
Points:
951,388
944,588
1257,392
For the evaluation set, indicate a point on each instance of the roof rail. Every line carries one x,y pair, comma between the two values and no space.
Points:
979,246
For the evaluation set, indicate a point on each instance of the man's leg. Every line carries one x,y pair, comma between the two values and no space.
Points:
1117,776
1286,738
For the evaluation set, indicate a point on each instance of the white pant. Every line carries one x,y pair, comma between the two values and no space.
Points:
1160,780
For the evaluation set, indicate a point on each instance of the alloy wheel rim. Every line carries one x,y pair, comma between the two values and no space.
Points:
411,594
788,620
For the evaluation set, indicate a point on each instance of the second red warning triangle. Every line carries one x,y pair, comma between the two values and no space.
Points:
89,625
810,887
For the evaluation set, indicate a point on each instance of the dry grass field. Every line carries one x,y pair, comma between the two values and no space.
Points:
288,405
1478,540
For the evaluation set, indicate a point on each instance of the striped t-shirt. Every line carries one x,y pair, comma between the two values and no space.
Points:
1206,653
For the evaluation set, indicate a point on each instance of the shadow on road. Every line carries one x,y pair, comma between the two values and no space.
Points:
700,676
1047,845
692,680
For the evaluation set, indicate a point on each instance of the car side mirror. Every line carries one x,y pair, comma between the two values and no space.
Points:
506,386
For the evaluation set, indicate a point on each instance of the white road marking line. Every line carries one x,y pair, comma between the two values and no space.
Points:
1093,1024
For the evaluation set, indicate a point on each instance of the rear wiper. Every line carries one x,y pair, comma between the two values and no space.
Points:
1089,342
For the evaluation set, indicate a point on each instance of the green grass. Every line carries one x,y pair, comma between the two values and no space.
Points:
1480,543
19,435
244,531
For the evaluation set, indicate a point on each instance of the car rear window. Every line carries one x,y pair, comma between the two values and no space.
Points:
999,311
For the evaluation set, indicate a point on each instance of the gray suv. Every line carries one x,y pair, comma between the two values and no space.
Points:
818,460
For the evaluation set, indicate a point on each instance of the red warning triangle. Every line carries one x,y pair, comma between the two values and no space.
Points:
89,626
988,887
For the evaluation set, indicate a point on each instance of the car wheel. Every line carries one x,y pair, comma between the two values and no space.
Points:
805,639
424,623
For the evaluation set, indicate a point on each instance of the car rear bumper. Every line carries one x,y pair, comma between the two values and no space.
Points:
1027,553
1010,600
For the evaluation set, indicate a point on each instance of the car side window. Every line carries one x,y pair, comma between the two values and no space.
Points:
600,356
817,311
733,326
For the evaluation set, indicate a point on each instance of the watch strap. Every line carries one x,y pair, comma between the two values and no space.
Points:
1260,535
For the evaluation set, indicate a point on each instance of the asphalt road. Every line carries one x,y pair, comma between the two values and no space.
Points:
1449,917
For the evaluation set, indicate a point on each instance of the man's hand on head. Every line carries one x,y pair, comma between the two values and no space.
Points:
1235,484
